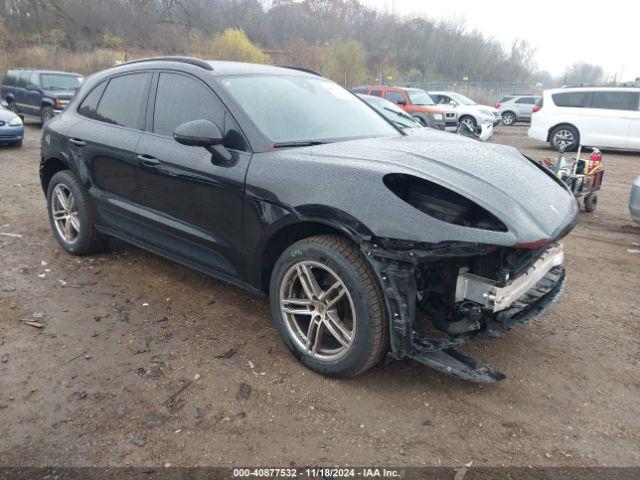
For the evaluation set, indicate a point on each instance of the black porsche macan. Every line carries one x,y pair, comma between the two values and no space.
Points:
363,235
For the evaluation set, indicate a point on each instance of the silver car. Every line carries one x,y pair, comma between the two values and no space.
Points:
518,108
634,201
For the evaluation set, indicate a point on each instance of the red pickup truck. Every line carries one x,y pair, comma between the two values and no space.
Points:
416,102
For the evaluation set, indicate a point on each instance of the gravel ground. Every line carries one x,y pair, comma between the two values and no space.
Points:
128,366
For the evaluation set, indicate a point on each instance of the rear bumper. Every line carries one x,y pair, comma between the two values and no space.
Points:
538,133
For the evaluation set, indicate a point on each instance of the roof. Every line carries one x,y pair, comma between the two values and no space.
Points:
56,72
219,68
606,89
391,87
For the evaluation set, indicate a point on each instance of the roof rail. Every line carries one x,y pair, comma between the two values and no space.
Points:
301,69
189,60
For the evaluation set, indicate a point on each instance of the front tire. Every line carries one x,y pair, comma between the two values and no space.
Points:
327,306
566,136
71,215
508,118
46,114
470,121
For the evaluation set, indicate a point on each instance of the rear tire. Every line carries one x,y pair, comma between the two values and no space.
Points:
590,203
322,262
566,136
17,144
508,118
72,216
14,108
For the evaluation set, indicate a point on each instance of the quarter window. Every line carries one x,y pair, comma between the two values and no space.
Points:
11,79
181,99
376,93
615,100
124,100
89,105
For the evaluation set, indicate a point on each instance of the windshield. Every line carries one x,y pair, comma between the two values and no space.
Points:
392,112
461,99
53,81
418,97
292,109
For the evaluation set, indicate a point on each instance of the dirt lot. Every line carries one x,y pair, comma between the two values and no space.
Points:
122,331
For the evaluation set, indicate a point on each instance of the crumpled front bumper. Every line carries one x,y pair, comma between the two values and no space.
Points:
533,292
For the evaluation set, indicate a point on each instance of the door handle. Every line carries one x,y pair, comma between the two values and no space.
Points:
148,161
77,142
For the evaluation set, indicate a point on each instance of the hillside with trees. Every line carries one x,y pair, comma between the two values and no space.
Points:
341,38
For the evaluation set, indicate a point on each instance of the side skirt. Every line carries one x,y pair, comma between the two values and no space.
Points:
236,282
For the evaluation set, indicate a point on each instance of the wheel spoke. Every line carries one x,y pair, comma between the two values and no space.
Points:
62,199
296,306
59,215
314,336
75,222
67,229
334,294
308,281
337,329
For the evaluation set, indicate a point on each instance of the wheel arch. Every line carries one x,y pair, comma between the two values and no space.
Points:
49,167
295,230
515,115
563,124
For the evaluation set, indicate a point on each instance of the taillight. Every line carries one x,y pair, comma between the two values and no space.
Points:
536,108
498,106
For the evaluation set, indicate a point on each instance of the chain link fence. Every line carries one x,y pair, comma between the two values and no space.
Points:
482,92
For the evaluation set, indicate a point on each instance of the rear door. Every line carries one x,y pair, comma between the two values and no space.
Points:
524,107
20,92
606,123
32,95
105,146
633,141
190,206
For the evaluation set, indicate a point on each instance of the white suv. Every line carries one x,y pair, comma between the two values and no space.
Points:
604,117
469,112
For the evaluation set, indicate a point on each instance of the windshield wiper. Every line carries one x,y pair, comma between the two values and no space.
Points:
303,143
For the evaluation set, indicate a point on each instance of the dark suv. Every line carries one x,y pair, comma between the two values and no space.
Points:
284,183
39,93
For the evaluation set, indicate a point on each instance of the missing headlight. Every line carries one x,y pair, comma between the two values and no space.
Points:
441,203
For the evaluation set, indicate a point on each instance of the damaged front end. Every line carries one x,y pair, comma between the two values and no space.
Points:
440,296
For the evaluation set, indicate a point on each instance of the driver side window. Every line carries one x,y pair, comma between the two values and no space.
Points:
181,99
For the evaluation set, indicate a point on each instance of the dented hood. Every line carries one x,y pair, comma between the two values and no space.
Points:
532,204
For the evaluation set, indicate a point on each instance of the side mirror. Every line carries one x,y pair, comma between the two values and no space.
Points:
205,134
453,103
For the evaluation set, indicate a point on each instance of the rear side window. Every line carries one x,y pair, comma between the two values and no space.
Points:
124,101
180,99
571,99
22,79
526,100
615,100
376,93
394,97
89,105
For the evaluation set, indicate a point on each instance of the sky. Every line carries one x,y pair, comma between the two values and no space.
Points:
562,31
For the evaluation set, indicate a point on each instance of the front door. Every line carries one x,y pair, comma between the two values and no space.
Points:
190,206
